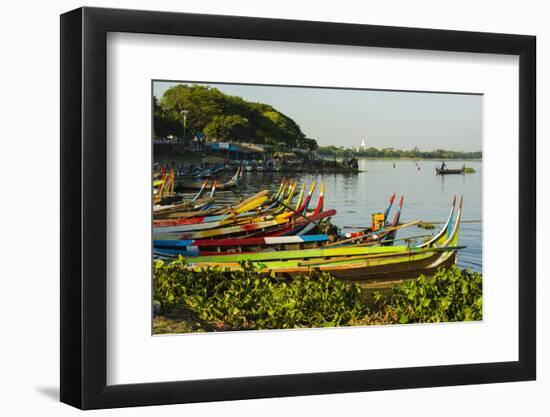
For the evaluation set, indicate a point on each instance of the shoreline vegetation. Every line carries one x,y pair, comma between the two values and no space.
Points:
391,153
218,300
192,122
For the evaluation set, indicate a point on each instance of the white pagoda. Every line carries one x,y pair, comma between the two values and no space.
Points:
363,145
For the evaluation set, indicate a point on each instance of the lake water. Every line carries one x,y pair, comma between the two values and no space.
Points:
428,197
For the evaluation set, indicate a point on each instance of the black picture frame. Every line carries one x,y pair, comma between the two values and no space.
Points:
84,207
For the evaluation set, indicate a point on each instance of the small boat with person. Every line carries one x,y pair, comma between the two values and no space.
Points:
443,170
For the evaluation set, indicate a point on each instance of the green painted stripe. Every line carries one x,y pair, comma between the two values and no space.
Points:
300,254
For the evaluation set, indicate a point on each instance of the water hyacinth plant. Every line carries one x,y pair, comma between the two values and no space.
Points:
451,295
218,300
246,300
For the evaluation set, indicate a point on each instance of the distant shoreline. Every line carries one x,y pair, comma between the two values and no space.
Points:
418,159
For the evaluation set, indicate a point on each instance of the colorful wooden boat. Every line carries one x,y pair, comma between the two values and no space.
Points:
254,244
252,207
278,226
233,218
385,233
297,223
298,226
445,171
195,203
246,205
247,211
221,231
182,206
228,226
165,190
236,245
191,184
353,262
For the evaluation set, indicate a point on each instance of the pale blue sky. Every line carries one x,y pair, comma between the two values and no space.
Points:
384,118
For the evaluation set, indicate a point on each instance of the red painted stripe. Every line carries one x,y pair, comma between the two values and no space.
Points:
177,222
319,205
305,203
252,226
250,241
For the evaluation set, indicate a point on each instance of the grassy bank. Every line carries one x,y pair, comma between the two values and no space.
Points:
215,300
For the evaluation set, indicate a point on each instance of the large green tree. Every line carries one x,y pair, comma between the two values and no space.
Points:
224,117
224,128
163,124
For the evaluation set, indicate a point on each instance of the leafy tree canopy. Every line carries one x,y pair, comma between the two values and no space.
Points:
224,118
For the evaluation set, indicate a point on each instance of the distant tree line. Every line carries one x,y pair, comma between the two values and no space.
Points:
222,117
340,151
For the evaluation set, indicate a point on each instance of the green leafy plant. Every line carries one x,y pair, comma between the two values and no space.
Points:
451,295
247,300
217,299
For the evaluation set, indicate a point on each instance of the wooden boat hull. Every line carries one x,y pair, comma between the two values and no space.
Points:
182,207
237,245
298,227
231,219
226,221
250,211
440,171
189,184
245,205
354,262
406,268
210,222
400,266
196,185
262,228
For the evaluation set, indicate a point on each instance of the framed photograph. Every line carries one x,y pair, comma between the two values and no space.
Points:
257,208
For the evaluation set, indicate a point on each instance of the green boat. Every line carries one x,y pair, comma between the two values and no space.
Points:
353,262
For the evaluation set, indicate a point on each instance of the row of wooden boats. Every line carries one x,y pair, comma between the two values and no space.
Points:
167,202
190,183
285,234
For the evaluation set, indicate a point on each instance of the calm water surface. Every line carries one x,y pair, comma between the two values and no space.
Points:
428,197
